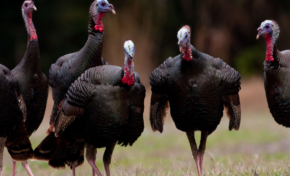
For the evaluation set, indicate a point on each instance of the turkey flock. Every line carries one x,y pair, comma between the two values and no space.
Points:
97,105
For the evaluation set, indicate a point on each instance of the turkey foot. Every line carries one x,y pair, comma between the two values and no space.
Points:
91,153
27,168
201,149
197,153
108,156
13,167
95,169
73,170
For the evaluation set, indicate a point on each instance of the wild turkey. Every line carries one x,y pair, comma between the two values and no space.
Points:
33,83
276,74
66,70
103,107
197,87
13,132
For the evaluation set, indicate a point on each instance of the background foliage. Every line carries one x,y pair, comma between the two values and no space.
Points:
221,28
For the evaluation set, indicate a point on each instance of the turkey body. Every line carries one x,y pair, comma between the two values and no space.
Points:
33,86
277,83
188,92
111,111
195,90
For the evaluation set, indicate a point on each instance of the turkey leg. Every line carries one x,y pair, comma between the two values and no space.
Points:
13,167
194,150
91,153
202,146
27,168
74,170
108,156
2,144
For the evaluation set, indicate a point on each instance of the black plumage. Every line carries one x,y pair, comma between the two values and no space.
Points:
106,105
188,86
197,87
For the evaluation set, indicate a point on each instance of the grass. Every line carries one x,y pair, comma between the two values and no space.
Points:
260,147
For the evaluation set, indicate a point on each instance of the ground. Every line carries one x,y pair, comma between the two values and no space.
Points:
260,147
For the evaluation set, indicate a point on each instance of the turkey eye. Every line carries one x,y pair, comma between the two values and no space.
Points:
267,27
103,4
186,36
25,5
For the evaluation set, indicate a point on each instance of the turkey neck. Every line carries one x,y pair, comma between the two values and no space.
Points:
91,53
273,55
29,26
31,59
128,77
187,53
276,56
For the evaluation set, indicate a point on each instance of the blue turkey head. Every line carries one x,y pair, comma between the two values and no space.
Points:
129,49
183,36
268,28
28,7
104,6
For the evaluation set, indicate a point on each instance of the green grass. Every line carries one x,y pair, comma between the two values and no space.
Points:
260,146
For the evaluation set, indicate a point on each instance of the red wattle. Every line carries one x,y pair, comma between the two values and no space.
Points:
124,80
101,15
269,49
99,24
99,27
187,54
129,80
33,37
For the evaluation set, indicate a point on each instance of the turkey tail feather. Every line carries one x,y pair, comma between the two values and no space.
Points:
57,161
233,110
75,155
158,111
21,152
46,148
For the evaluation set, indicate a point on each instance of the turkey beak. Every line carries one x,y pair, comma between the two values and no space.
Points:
180,43
34,8
259,33
112,9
